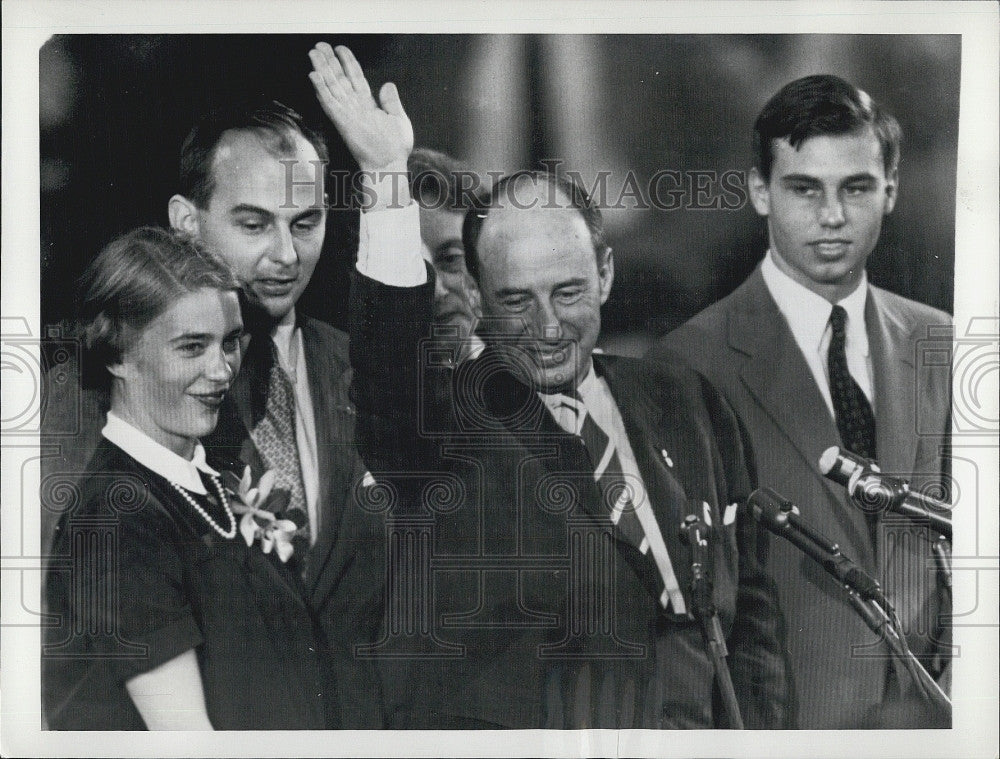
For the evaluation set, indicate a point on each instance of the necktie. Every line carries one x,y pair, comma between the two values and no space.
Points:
610,478
855,420
274,437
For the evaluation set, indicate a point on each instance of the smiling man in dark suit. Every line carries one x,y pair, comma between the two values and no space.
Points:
811,356
557,580
288,409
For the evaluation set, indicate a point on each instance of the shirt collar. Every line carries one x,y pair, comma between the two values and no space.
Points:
854,305
586,389
282,335
156,457
808,314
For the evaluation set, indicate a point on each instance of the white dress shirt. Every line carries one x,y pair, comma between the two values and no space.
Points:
808,317
156,457
292,358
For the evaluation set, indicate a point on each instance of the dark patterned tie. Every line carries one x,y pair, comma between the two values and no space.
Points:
855,420
274,437
611,480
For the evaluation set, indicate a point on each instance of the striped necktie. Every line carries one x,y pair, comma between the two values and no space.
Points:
618,496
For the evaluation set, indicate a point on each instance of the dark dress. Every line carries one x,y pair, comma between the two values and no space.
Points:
137,577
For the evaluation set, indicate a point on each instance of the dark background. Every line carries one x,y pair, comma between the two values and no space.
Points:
115,108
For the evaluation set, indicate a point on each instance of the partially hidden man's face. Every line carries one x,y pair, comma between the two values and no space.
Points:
269,230
824,204
455,294
542,291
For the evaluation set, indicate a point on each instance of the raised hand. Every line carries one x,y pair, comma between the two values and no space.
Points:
379,135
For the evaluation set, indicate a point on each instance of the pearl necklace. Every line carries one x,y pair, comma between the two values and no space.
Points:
231,533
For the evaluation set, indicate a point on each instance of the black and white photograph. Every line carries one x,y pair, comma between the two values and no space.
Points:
376,381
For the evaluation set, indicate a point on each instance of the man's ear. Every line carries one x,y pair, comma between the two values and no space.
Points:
606,274
475,298
891,190
183,216
117,370
760,193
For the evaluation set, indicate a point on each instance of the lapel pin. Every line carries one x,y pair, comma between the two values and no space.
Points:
666,457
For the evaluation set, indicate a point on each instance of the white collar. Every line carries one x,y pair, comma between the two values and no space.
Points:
586,389
283,334
157,457
808,314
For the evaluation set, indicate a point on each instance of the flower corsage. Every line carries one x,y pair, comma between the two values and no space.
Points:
260,507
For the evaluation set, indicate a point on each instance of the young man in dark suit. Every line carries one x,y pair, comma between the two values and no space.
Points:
810,355
550,482
252,189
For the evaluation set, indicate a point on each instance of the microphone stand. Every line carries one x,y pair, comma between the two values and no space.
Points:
781,517
867,486
885,624
694,532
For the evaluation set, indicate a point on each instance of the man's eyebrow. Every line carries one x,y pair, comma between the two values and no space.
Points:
573,282
309,212
803,178
250,208
505,291
864,176
191,336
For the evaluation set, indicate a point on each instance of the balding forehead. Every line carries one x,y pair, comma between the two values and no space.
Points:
284,143
539,228
538,204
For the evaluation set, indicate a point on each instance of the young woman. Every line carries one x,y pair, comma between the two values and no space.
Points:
166,618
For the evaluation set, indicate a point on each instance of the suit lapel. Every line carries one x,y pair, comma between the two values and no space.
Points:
334,471
527,419
652,429
895,388
777,376
523,414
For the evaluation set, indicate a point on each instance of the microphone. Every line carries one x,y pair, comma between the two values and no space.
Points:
867,485
780,516
694,533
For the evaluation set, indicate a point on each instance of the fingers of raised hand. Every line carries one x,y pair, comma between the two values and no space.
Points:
352,69
338,73
324,79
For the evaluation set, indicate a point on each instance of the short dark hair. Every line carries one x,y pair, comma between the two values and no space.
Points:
275,124
559,183
435,180
134,279
822,104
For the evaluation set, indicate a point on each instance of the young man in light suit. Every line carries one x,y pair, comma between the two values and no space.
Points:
826,173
